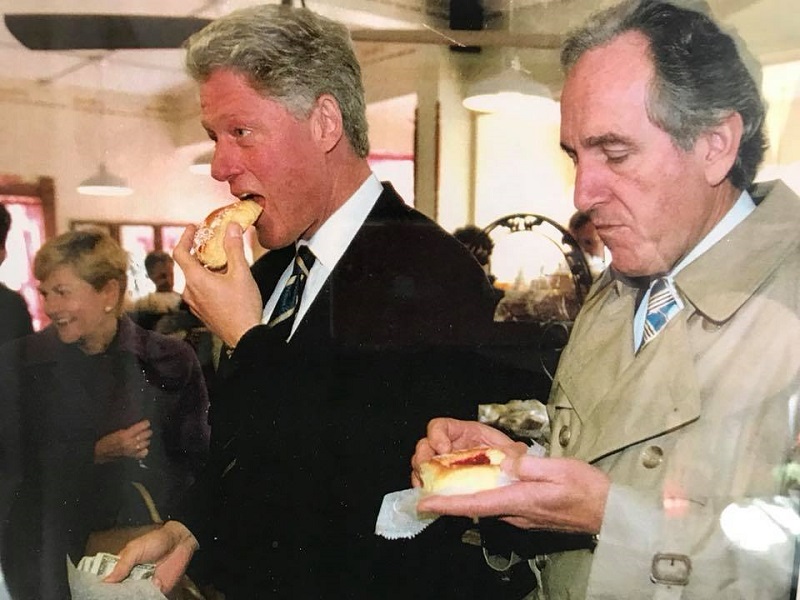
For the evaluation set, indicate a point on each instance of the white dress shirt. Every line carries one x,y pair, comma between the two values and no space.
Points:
328,245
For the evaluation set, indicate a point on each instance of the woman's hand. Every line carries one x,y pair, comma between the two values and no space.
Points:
133,442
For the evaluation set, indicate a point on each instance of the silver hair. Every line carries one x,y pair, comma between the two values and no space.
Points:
700,77
291,55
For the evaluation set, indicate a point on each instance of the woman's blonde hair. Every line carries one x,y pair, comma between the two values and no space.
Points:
93,255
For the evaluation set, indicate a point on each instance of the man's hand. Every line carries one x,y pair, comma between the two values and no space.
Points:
562,494
448,435
227,301
170,547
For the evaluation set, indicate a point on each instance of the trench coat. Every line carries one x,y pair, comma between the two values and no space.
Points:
696,429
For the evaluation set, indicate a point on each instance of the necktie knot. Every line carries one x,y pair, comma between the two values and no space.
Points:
662,305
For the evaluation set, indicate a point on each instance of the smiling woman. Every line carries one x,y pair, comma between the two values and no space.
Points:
90,404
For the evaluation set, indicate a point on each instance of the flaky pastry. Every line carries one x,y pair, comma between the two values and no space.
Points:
208,239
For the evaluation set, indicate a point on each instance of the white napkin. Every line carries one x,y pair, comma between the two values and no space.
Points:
398,517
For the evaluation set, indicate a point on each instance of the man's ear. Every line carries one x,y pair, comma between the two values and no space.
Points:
326,121
719,147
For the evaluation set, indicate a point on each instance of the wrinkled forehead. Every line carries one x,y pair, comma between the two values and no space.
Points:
621,69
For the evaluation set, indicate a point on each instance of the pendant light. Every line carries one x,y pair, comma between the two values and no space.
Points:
202,164
511,89
103,182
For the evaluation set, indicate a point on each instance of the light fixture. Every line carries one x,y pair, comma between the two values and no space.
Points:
511,89
104,183
202,164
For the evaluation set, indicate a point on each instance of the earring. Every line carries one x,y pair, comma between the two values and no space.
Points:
107,309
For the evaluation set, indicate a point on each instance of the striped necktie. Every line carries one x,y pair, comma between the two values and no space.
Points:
661,307
289,300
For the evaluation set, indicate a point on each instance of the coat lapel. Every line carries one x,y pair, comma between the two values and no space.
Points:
646,397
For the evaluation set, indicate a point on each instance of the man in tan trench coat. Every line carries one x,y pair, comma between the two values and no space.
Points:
674,411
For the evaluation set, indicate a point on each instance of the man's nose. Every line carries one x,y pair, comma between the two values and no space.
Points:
226,162
589,187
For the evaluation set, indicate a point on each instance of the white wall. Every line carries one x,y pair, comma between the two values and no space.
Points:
65,136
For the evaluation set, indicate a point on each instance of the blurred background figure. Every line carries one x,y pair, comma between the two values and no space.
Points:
165,312
478,242
161,270
15,320
581,228
91,404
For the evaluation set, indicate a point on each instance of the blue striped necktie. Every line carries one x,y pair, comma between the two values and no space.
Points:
289,300
661,307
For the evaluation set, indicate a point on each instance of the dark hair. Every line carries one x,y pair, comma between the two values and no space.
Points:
477,242
578,220
156,258
5,224
290,54
700,78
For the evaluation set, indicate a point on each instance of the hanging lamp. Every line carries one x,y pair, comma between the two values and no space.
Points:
103,183
202,164
511,89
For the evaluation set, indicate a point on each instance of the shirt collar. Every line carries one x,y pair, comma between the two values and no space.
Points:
334,236
738,213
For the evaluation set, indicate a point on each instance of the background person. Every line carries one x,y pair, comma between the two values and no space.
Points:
313,418
161,270
15,320
673,420
480,245
581,228
88,403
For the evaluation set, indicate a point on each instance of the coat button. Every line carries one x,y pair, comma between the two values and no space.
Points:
564,435
652,457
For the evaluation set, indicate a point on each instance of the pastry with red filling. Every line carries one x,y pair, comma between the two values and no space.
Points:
463,472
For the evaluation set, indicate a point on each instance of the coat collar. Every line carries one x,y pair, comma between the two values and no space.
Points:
745,258
742,260
717,284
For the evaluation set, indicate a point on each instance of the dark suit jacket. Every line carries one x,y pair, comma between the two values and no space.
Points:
49,496
323,427
15,320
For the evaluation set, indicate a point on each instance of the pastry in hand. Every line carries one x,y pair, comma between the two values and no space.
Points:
463,472
208,238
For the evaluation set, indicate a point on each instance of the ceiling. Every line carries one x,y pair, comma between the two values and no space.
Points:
771,28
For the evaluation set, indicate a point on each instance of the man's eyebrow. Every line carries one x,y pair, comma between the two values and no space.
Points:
607,139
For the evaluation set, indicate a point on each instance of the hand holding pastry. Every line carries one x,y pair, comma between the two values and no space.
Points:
211,294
